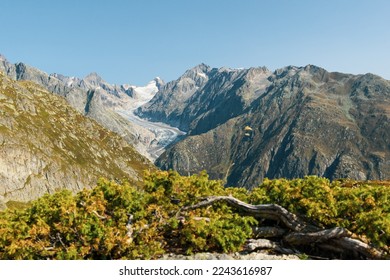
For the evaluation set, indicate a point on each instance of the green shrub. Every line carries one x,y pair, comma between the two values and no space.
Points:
120,221
361,207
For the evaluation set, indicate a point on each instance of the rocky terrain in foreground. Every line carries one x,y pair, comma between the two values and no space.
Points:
235,256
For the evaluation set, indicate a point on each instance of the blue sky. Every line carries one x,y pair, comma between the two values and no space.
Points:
135,41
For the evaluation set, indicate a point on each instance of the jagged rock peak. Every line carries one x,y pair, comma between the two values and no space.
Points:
292,70
287,70
59,76
93,77
314,70
159,82
200,70
238,69
260,68
201,67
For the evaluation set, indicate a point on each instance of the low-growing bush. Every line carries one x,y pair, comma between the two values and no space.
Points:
121,221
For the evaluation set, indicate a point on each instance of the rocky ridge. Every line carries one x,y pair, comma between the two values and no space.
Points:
245,125
99,100
206,97
242,125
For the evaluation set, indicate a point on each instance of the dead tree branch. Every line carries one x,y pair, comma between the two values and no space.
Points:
293,230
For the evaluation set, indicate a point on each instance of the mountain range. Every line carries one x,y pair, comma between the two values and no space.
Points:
97,99
244,125
240,125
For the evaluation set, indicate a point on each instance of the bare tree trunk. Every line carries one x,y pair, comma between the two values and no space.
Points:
303,238
266,211
294,231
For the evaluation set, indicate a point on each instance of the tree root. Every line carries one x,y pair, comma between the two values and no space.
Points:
294,231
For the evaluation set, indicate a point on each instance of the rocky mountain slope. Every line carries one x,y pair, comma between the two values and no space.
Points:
245,125
205,97
46,145
110,105
242,125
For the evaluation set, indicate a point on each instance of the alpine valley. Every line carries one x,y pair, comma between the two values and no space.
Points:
240,125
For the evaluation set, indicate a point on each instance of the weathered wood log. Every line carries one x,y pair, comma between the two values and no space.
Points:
298,232
355,245
266,211
334,248
267,232
303,238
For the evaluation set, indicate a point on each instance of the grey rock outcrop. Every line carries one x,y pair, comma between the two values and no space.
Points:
236,256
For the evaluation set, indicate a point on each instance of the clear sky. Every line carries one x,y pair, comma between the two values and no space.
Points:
135,41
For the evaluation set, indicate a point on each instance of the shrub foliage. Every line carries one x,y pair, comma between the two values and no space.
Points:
121,221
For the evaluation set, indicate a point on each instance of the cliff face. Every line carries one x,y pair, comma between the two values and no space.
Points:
306,121
46,145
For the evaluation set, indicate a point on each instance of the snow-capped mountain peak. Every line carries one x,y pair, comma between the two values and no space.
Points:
143,94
